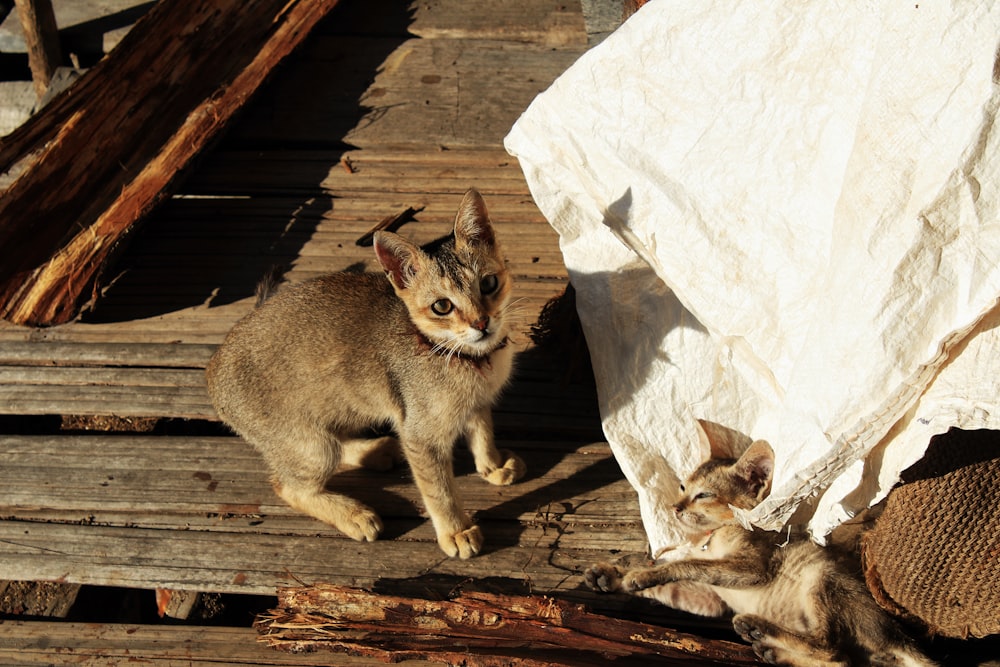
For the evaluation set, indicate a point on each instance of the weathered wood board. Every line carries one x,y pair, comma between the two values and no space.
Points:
44,643
199,514
387,106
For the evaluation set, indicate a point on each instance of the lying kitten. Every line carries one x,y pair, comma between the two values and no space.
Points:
309,374
794,602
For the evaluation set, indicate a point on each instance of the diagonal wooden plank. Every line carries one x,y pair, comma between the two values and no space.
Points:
119,139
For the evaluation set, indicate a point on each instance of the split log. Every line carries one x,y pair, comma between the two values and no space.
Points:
477,630
115,144
38,22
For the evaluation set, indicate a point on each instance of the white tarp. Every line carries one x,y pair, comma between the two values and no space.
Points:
781,217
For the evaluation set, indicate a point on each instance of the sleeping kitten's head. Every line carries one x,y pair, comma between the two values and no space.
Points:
456,291
709,492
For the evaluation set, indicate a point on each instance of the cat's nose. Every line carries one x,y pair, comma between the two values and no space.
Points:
481,324
678,508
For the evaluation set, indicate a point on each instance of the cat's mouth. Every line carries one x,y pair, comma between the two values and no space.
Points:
477,352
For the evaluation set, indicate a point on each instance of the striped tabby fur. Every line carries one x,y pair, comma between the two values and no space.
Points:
420,351
793,600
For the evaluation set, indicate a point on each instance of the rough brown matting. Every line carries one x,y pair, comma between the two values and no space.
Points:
934,554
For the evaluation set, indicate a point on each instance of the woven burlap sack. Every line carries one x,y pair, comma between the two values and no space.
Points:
934,553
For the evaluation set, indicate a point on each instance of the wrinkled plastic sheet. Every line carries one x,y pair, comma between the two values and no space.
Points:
781,218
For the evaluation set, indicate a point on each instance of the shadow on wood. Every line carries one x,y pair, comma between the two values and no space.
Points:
114,145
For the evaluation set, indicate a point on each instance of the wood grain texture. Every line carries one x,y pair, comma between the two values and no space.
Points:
41,35
43,643
120,138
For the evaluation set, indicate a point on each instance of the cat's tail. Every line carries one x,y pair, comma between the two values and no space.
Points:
268,285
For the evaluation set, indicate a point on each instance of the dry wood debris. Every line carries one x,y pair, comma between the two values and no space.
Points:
477,630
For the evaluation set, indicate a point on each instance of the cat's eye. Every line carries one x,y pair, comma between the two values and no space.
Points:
683,489
442,307
489,284
704,495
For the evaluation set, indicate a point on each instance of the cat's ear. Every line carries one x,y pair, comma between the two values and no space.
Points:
721,442
472,222
400,259
756,467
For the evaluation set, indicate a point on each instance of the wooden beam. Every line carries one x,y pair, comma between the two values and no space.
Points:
39,643
38,22
477,630
116,144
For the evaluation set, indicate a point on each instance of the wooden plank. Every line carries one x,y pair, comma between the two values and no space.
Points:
237,563
204,482
42,39
123,139
549,22
151,393
43,643
257,173
55,353
85,377
455,92
198,514
448,93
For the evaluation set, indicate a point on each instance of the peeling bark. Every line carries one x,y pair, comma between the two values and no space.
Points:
477,630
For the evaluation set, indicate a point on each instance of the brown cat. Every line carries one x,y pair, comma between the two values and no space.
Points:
422,349
793,600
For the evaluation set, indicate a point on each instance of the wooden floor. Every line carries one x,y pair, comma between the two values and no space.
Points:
116,472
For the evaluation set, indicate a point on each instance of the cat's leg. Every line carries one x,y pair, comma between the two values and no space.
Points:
300,470
729,572
431,464
779,646
497,466
379,454
688,596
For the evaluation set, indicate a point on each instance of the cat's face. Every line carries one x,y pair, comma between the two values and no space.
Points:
459,303
711,492
456,292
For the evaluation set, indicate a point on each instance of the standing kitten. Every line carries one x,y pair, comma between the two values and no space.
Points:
794,602
308,375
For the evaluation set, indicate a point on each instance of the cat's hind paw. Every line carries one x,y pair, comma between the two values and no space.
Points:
603,577
464,544
746,627
512,470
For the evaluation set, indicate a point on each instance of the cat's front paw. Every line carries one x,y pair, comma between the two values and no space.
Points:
603,577
513,469
639,580
464,544
363,525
